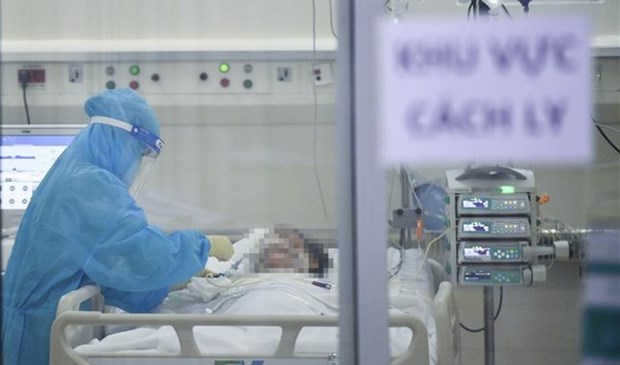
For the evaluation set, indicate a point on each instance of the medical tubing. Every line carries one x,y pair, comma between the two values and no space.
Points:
389,204
318,299
331,20
415,195
499,309
548,267
25,102
472,6
483,8
506,11
396,269
288,289
218,285
608,126
606,138
315,116
428,247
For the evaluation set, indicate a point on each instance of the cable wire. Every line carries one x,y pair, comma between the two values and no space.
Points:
412,190
596,124
430,244
389,204
472,6
607,139
25,102
396,269
331,20
607,127
506,11
499,310
316,118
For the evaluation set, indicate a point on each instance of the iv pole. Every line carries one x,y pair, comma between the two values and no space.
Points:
489,326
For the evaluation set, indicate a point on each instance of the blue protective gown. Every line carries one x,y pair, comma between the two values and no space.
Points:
83,227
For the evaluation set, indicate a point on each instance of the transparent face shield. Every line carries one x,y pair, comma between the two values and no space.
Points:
152,146
146,162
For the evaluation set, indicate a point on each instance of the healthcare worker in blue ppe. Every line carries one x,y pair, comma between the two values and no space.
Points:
83,227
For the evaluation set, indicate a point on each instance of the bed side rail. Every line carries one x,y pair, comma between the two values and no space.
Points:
439,274
447,326
63,353
72,300
78,335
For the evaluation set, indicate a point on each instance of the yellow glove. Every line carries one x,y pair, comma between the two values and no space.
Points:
206,273
221,248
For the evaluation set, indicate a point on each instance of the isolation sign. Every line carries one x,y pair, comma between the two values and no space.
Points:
484,92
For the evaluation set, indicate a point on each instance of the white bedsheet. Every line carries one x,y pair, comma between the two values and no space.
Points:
272,295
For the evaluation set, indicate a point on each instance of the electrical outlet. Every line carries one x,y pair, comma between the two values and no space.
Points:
76,73
31,76
285,74
322,74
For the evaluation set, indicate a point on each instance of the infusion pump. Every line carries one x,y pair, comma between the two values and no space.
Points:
493,216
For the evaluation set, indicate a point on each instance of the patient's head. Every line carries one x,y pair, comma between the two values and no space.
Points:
286,250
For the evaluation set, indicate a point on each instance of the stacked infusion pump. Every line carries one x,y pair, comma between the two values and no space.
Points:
494,215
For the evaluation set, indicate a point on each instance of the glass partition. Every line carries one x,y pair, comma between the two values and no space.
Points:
245,95
441,227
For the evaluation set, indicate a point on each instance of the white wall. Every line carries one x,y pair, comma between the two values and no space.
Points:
213,174
130,19
234,158
223,173
163,19
603,17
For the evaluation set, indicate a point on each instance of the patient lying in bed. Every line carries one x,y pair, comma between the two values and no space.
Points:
282,250
273,274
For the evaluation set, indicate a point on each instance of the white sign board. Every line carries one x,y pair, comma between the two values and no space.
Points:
484,92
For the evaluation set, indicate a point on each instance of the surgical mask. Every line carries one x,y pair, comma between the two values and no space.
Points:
152,146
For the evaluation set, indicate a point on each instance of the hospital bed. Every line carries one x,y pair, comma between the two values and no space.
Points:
299,338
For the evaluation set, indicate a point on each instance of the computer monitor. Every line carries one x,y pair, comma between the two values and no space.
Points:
27,152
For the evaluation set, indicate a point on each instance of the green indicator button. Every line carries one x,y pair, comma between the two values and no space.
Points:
224,67
507,189
134,70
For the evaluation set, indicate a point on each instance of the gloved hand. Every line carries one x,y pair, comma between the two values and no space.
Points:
179,287
221,248
206,273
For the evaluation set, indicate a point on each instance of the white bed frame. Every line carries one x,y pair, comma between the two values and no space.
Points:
73,327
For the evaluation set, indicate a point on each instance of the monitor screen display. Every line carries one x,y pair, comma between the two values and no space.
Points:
478,227
26,154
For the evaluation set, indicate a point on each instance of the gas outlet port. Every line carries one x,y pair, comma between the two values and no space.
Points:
76,73
285,74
